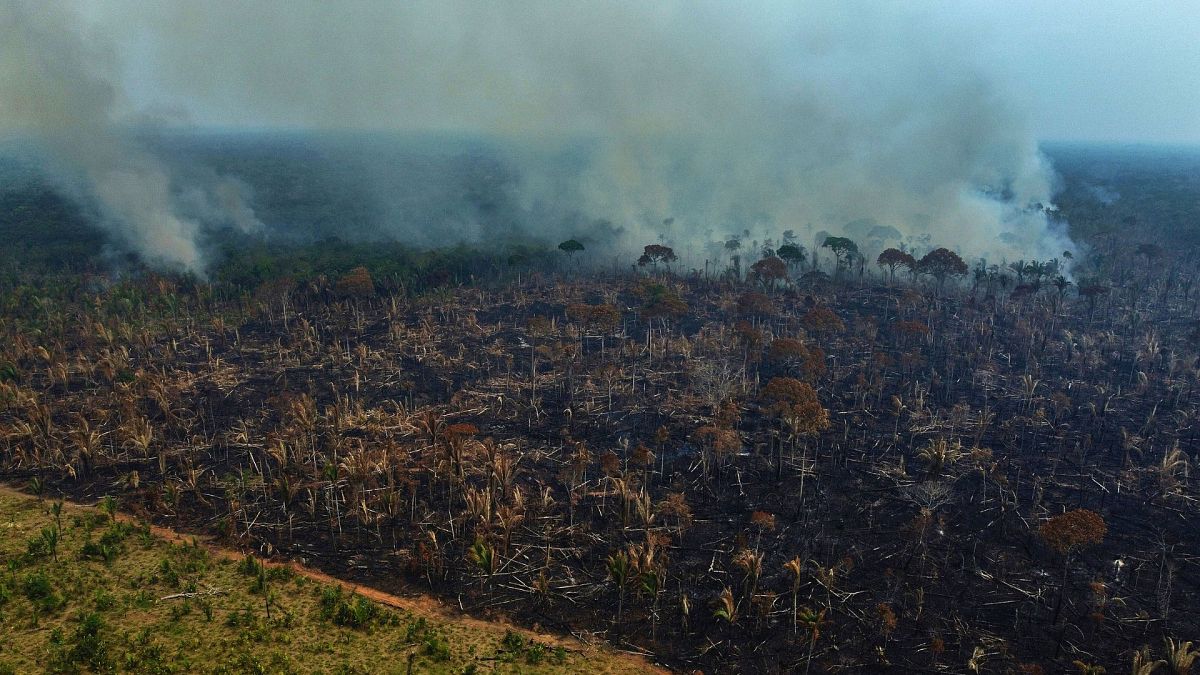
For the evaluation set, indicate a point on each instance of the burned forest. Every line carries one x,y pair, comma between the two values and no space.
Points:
828,462
445,336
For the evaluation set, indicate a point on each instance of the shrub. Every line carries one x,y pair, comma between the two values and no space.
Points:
512,642
104,600
87,647
169,575
535,654
37,588
355,613
437,647
98,551
249,566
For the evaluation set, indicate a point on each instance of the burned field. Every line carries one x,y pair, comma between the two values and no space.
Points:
987,475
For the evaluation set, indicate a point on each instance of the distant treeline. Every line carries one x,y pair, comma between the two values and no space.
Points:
393,266
1115,190
1107,191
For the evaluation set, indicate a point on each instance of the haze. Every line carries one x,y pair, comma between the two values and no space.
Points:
682,122
1114,71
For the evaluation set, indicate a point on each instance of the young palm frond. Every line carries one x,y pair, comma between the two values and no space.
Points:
1181,657
619,569
1142,663
726,608
940,454
795,567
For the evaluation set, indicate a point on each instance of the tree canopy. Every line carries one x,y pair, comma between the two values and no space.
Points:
570,247
941,263
842,247
653,254
792,254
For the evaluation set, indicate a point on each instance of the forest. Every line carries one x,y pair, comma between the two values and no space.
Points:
809,456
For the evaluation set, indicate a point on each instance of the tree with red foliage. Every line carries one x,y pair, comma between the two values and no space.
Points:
796,404
1067,534
660,302
754,304
769,272
941,263
893,258
821,319
357,283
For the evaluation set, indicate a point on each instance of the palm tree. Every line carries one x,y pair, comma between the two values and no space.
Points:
750,563
619,569
939,454
795,567
812,620
1181,656
726,608
1142,665
484,557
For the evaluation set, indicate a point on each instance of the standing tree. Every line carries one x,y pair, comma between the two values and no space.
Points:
570,247
791,254
812,620
769,272
653,254
893,258
843,249
1067,534
356,284
796,404
1092,291
619,570
940,264
795,567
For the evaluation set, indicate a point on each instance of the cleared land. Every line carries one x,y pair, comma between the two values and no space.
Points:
82,590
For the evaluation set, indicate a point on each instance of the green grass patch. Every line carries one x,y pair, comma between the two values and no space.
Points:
102,595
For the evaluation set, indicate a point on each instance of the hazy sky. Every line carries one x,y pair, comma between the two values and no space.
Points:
1120,70
1098,69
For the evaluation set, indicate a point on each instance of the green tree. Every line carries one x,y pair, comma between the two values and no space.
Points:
570,247
843,249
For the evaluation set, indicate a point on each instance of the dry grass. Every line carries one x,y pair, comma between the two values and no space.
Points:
65,608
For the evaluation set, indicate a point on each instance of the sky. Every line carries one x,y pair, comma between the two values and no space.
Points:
1102,70
1098,70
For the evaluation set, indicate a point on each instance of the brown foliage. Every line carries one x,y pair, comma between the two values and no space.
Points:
755,304
1073,530
769,271
823,320
797,404
357,283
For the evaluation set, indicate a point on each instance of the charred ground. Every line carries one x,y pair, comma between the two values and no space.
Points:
993,473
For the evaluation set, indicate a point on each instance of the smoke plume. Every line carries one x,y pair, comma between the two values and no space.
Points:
682,122
58,89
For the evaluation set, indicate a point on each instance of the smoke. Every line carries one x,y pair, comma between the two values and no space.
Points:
674,121
57,88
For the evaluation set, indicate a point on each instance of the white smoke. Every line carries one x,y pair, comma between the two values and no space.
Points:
767,116
58,88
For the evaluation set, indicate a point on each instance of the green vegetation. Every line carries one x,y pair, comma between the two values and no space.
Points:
81,591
